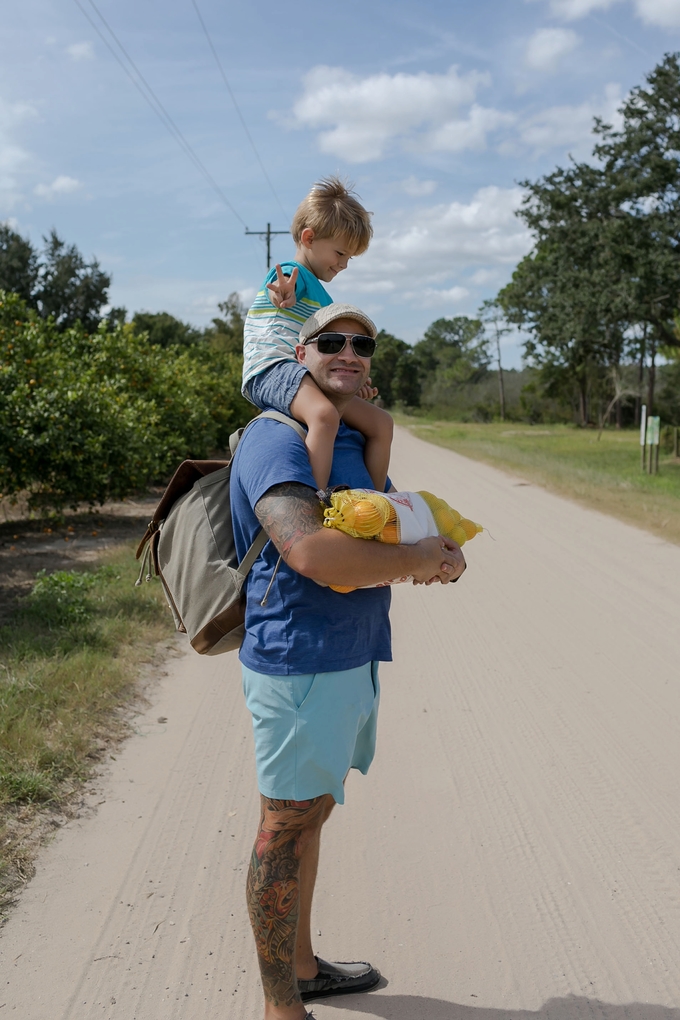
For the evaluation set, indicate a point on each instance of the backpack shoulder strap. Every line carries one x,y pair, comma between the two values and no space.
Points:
256,548
236,437
285,420
262,537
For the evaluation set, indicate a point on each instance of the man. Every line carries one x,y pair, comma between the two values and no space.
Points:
309,658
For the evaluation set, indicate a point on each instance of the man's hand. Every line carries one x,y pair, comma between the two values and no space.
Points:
442,560
282,289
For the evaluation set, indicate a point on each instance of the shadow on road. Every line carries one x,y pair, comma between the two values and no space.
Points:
574,1007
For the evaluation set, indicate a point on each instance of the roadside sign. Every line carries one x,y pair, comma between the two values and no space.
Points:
643,424
653,430
653,434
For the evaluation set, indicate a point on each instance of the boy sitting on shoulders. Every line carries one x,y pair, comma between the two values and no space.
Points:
329,228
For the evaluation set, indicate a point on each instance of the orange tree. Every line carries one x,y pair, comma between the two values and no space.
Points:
90,416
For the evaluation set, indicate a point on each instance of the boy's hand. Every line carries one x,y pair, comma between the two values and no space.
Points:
282,289
368,392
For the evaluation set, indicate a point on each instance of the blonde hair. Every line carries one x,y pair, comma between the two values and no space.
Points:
331,210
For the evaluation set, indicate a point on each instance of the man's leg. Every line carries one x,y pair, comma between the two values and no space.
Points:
287,830
305,961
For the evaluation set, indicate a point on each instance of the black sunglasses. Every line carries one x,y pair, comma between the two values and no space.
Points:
333,343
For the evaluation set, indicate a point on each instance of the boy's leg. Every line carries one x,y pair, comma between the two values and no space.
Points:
377,426
312,407
287,830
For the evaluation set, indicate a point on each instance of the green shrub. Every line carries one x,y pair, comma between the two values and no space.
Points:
89,417
60,599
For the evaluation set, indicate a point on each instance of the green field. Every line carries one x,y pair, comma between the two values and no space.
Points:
69,662
602,474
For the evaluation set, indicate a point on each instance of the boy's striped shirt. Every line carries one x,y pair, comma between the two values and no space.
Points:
270,333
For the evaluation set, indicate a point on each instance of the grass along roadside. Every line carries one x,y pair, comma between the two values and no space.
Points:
604,475
69,662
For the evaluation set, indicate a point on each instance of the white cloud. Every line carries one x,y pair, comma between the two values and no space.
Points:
358,117
247,295
571,126
664,13
62,185
189,299
427,255
484,276
205,305
13,157
81,51
417,188
367,285
570,10
469,132
547,46
433,298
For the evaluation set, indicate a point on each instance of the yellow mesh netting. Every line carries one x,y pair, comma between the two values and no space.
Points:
371,515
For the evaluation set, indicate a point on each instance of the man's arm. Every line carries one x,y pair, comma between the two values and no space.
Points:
288,513
292,516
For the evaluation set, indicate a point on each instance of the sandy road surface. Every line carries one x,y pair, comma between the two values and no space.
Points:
513,855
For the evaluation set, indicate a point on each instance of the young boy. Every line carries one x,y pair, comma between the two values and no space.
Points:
329,227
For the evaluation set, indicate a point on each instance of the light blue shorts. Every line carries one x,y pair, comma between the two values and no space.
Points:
276,387
310,730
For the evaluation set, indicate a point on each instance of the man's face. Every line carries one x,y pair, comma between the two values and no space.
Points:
337,375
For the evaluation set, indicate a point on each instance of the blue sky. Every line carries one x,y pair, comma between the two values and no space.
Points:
435,112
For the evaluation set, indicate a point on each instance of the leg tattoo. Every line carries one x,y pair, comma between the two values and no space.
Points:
273,890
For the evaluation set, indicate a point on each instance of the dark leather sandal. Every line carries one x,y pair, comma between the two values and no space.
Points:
338,979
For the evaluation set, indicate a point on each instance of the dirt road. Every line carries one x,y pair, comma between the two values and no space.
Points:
513,855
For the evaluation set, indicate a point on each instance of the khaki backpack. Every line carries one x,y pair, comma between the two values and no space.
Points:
190,542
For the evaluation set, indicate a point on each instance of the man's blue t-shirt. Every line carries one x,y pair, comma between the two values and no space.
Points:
303,628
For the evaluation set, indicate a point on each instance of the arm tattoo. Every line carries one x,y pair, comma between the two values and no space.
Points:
273,891
289,512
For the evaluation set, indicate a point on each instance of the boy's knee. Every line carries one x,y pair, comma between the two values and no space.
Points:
327,418
384,424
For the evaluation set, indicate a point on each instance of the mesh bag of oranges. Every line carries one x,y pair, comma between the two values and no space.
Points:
395,518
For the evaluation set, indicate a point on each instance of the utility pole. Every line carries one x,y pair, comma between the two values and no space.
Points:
266,235
501,388
493,316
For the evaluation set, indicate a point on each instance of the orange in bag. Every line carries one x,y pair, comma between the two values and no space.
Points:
394,518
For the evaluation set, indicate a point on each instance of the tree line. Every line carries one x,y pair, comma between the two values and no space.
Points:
93,405
599,293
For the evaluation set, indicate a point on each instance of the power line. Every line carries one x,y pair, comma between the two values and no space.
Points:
178,134
615,31
154,102
237,108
